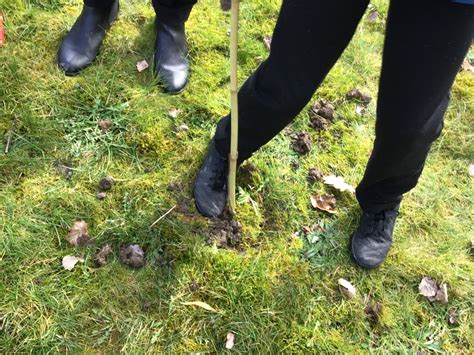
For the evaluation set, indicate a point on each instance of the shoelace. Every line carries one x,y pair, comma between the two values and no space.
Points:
375,222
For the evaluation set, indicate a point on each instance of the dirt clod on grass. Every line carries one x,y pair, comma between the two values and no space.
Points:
106,183
357,95
302,142
373,310
321,115
101,258
315,175
226,234
133,256
104,125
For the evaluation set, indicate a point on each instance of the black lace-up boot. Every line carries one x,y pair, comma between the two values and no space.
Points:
82,44
210,188
372,240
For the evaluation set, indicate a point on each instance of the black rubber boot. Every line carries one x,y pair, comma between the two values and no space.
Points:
373,238
82,44
210,188
171,51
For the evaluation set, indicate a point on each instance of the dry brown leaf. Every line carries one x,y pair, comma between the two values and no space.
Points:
101,258
346,288
442,294
182,128
133,256
230,341
338,183
200,304
174,112
78,235
434,292
428,287
325,203
70,261
470,169
142,65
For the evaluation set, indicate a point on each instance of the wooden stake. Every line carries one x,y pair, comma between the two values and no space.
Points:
234,39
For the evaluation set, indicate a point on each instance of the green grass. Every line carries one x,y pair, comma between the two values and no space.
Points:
271,296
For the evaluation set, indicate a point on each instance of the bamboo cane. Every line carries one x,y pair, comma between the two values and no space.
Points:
234,28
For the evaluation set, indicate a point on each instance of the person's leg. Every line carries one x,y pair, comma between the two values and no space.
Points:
170,62
82,44
302,53
426,42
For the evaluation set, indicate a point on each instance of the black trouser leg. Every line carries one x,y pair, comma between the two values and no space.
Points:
303,51
173,11
426,42
102,4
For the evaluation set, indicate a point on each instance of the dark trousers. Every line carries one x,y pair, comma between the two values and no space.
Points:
167,11
425,44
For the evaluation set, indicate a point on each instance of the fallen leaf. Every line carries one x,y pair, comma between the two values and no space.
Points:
453,317
70,261
466,65
104,125
325,203
268,42
442,294
133,256
428,287
373,16
78,235
203,305
315,175
101,258
470,170
101,195
174,112
182,128
106,183
434,292
230,341
360,109
142,65
357,95
338,183
302,143
346,288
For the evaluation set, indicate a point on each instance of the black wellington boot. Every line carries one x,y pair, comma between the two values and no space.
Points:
82,44
171,51
210,188
373,238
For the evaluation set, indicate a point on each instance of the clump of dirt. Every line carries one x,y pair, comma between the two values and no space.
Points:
175,187
101,258
357,95
373,310
302,142
321,115
104,125
106,183
315,175
133,256
226,234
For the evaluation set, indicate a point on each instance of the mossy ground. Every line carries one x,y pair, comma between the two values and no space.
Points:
269,295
